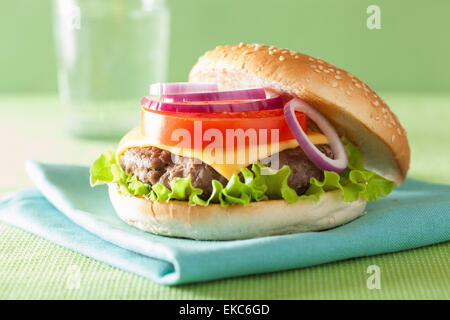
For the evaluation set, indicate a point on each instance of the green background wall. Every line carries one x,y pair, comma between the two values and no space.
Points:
410,53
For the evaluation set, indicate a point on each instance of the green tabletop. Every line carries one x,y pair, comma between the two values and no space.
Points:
34,268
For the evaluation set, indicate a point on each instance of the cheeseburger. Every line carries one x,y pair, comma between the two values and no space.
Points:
261,141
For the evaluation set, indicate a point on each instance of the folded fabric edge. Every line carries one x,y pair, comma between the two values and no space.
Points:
34,171
29,223
57,199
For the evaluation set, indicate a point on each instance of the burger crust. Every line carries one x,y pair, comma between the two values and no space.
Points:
355,110
214,222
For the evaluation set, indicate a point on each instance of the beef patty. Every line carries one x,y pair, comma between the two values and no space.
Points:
152,165
302,169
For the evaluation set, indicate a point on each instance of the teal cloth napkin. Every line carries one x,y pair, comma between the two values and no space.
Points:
67,211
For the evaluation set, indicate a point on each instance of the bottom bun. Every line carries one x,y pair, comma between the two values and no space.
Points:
214,222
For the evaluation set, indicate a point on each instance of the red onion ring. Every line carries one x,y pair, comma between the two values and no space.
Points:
241,94
157,89
213,106
312,152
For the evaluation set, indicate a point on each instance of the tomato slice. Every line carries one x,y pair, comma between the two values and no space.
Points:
236,129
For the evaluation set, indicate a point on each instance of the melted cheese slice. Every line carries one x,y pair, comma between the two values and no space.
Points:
226,162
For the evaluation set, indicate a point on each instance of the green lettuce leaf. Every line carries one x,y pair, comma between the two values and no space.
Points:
355,182
257,183
101,169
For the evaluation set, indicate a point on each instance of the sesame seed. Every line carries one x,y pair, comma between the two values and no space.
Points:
326,71
338,71
241,44
320,66
331,69
245,52
296,57
393,137
376,103
313,66
310,59
338,77
377,118
270,53
317,70
281,58
284,51
357,85
399,131
348,92
334,84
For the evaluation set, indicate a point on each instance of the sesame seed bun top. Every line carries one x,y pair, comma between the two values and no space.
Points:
356,111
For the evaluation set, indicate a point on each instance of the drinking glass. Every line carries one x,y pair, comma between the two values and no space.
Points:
108,51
